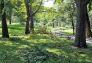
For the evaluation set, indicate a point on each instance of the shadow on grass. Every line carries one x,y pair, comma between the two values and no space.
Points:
9,50
15,30
42,49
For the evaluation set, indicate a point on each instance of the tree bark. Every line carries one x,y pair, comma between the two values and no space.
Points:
27,30
30,15
72,22
73,25
31,24
5,33
10,21
88,27
80,38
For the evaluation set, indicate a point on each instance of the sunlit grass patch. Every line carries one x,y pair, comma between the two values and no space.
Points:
55,51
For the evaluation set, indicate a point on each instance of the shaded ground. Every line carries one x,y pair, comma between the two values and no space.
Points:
40,48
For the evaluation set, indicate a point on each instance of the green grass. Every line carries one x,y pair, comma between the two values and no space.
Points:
40,48
66,31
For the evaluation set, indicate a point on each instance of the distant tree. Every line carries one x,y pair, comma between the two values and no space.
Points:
30,15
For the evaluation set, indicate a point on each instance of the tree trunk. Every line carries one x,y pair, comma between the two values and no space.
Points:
73,25
88,27
10,20
53,25
27,30
80,38
30,15
10,16
72,22
31,24
5,33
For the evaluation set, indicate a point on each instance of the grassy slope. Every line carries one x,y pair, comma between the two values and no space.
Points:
40,48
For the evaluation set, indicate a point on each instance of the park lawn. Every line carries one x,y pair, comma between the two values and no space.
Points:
40,48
